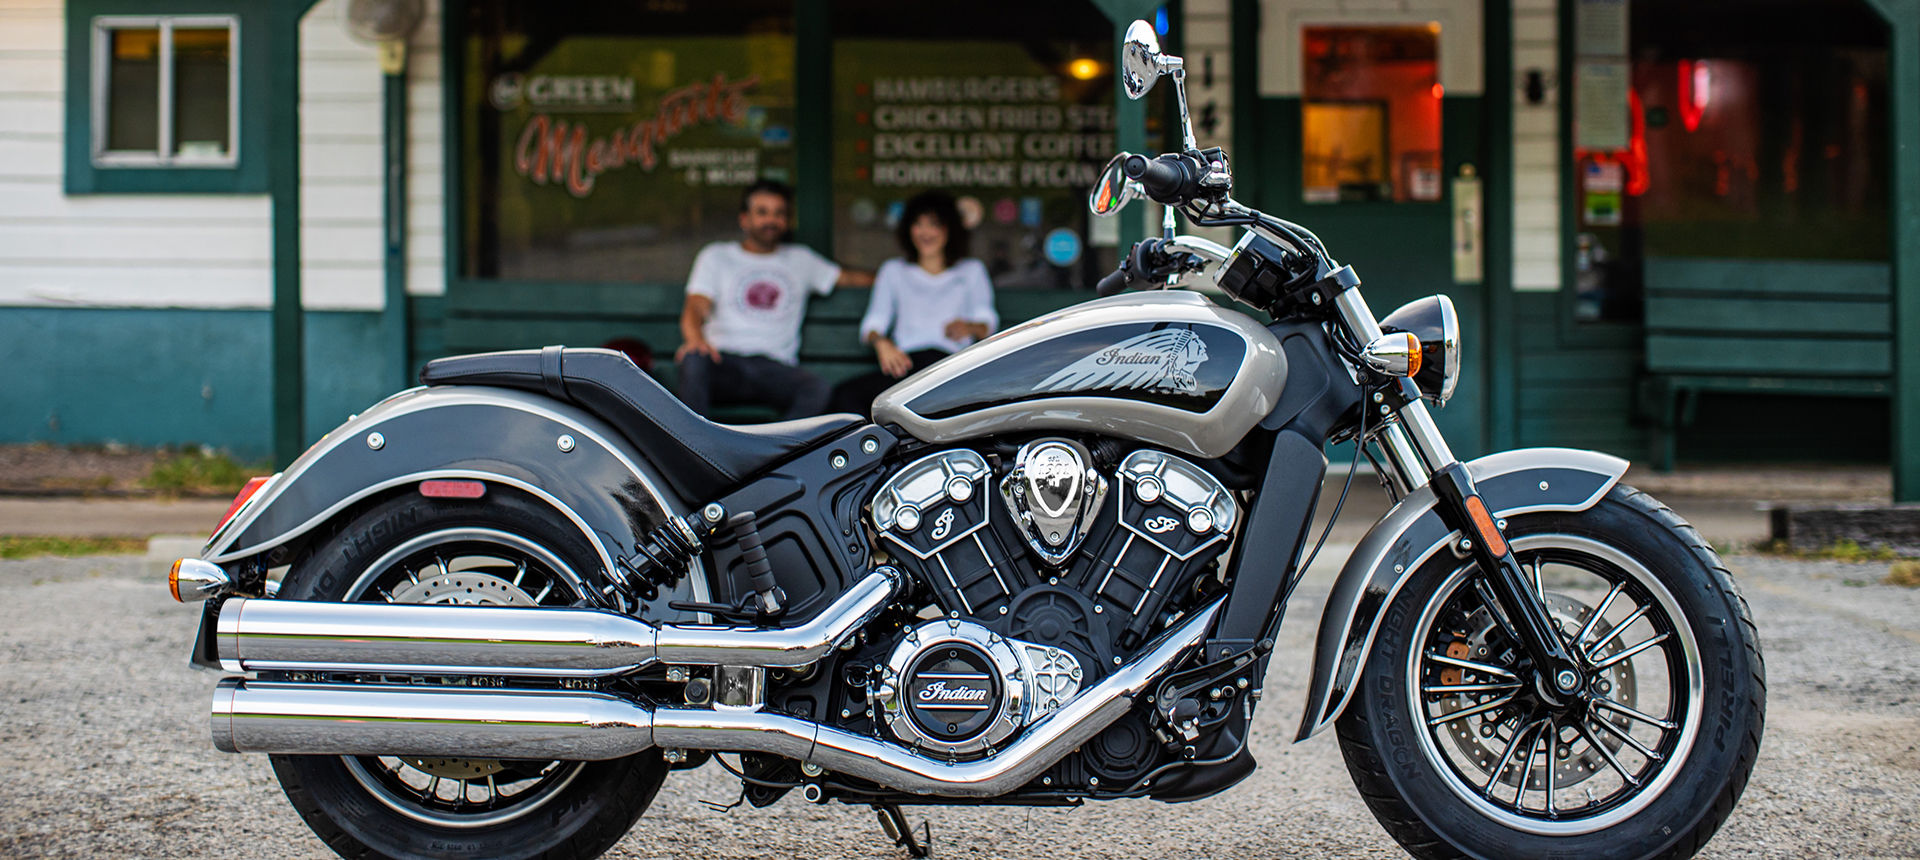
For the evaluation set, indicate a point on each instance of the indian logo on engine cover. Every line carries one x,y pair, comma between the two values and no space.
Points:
1164,360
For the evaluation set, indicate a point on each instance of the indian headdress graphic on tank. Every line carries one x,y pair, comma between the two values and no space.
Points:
1184,365
1163,360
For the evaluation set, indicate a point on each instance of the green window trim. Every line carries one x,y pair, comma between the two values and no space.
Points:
244,172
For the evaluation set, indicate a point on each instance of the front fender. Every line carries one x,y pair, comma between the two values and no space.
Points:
1511,483
597,481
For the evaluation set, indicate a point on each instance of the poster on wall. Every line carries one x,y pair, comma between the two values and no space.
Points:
616,158
1016,139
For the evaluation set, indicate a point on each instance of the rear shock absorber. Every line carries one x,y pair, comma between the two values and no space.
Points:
662,558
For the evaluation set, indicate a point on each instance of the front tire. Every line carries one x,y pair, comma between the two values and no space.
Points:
502,549
1457,756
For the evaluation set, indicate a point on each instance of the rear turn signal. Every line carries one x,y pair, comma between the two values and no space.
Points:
194,579
253,486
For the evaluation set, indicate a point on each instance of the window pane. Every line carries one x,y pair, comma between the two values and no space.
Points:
1370,114
610,141
1015,123
133,90
201,59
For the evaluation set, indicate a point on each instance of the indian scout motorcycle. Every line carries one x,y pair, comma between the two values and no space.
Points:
489,616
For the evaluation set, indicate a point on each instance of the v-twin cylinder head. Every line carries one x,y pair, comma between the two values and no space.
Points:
305,636
347,719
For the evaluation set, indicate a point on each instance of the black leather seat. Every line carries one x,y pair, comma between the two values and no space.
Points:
700,458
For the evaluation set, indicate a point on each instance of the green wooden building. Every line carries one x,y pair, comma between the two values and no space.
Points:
1674,230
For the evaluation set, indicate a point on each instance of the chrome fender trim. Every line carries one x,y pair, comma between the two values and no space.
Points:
569,460
1512,483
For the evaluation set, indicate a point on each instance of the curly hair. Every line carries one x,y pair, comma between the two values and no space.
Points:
940,205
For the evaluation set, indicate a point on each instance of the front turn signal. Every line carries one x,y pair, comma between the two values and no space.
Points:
1394,354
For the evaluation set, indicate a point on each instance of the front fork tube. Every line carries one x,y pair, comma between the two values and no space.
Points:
1415,447
1559,676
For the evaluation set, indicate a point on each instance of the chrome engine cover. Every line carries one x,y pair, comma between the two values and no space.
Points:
956,688
1053,493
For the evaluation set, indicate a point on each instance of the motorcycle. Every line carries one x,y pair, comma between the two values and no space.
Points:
490,615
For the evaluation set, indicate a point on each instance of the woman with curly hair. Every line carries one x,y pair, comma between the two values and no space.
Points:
927,305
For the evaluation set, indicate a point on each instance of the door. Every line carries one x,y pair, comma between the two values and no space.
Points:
1375,144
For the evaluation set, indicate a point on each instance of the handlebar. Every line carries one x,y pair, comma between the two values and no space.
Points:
1171,179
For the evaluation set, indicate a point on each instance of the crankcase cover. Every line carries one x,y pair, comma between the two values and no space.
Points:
955,687
1167,368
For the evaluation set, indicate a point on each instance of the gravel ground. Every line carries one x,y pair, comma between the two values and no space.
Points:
103,730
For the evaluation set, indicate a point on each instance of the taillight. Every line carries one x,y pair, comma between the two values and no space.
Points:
253,486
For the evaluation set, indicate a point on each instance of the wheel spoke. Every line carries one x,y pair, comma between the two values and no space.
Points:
1616,631
1552,732
1468,712
1482,668
1628,654
493,790
1445,689
1605,753
543,592
1506,758
433,789
1594,620
1628,739
519,572
1539,586
443,566
1625,711
1526,773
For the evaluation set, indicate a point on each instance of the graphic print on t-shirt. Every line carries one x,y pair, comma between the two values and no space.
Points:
763,290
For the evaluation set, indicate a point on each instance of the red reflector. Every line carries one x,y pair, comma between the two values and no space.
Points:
253,486
453,489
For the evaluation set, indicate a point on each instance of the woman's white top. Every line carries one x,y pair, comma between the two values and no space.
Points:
912,307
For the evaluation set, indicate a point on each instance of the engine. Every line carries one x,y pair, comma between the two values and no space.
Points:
1049,571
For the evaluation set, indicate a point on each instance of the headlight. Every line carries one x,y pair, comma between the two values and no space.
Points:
1433,321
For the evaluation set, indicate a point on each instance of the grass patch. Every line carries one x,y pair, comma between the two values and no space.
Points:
27,546
1840,550
201,472
1904,573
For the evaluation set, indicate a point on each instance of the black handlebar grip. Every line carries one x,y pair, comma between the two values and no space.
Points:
1114,283
1164,178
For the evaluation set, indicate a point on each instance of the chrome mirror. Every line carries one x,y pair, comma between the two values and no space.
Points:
1140,59
1113,190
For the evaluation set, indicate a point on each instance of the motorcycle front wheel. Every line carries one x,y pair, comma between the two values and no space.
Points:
1458,755
501,550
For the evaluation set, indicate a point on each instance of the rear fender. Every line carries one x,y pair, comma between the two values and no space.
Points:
1511,482
554,452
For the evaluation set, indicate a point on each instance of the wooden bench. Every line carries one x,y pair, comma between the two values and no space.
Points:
482,317
1813,327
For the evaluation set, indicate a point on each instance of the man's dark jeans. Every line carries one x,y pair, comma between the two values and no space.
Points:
795,392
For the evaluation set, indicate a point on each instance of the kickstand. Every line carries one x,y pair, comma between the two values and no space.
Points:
896,827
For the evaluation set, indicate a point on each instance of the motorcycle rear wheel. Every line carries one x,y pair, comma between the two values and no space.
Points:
1457,756
498,550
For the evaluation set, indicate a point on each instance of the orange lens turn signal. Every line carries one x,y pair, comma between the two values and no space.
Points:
1413,355
173,580
1483,523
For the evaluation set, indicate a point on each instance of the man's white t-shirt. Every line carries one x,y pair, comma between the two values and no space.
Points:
759,299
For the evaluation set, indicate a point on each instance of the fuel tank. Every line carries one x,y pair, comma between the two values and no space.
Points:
1166,368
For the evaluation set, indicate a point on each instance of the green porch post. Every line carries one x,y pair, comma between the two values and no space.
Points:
1129,115
1903,19
283,184
393,317
1496,240
813,128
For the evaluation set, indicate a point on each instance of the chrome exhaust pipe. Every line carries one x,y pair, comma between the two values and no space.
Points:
305,636
341,719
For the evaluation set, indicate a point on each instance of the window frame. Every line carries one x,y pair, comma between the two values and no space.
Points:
100,42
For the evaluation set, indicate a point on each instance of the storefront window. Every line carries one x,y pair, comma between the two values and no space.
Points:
1370,114
1014,121
1746,136
608,142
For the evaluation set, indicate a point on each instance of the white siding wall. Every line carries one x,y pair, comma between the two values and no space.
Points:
340,164
214,250
1536,149
164,250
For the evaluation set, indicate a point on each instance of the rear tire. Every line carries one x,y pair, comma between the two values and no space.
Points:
1456,755
501,550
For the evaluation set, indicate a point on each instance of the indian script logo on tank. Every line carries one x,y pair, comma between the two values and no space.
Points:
1159,361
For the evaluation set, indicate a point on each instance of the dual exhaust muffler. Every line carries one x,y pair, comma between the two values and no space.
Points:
424,639
358,719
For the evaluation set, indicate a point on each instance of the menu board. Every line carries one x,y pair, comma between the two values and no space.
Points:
1011,132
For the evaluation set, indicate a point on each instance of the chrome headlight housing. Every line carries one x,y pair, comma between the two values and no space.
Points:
1434,322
